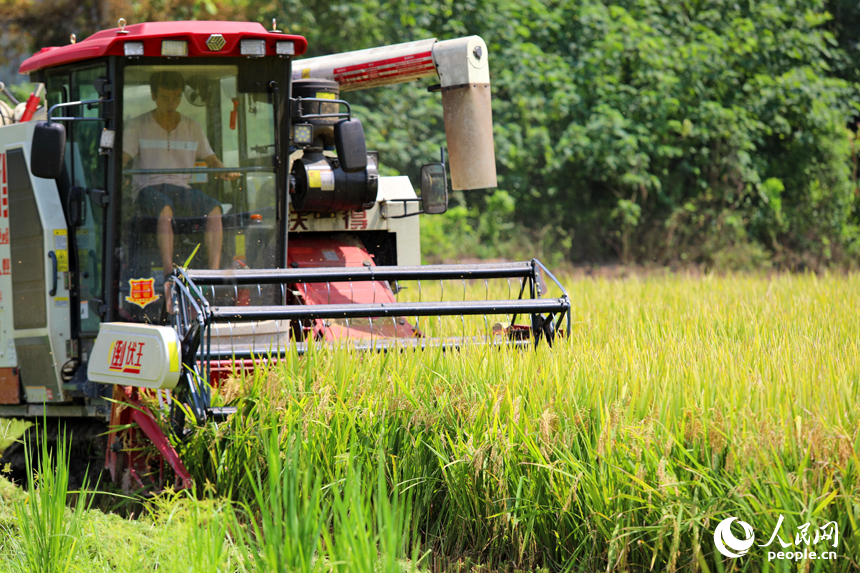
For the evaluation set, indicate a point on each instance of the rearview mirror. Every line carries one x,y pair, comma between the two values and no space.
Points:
434,189
48,150
100,85
350,145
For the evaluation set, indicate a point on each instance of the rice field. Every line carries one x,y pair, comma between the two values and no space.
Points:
677,402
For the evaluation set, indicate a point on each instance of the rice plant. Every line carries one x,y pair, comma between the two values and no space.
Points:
200,537
49,534
370,526
677,401
287,517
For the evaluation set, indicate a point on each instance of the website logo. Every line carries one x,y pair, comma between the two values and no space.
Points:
804,545
728,544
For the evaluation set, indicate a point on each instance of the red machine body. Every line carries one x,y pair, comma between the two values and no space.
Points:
152,34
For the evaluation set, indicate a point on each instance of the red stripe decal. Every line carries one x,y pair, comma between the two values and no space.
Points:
425,55
384,73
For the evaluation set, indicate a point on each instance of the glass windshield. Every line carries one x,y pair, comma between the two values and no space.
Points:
198,162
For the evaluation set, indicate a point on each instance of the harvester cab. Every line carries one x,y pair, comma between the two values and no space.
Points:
196,198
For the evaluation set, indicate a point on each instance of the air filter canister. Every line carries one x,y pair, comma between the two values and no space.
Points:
318,89
321,186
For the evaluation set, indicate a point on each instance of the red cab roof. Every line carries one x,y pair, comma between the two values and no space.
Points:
110,42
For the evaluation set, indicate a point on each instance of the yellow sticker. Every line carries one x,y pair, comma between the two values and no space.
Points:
240,246
306,73
61,250
62,261
314,179
323,95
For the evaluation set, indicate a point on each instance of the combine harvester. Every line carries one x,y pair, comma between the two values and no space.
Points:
257,162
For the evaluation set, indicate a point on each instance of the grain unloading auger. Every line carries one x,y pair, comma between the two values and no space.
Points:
165,138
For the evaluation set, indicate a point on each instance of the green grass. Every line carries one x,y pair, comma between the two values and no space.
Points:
678,401
11,430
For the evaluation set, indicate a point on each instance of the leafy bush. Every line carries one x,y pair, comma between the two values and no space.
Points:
638,130
490,231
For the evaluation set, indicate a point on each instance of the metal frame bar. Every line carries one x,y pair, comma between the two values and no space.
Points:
384,273
405,203
298,108
203,170
375,345
382,310
73,104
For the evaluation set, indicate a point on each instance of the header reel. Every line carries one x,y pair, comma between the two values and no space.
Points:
207,329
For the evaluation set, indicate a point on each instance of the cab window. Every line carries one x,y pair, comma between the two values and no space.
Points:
198,161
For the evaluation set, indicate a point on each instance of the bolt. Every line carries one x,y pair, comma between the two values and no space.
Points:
478,52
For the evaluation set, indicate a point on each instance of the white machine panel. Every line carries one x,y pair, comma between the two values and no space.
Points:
135,355
40,351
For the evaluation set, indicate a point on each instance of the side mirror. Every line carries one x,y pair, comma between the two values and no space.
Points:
48,150
100,85
434,189
350,145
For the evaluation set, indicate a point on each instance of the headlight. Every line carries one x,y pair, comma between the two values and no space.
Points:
285,48
303,134
174,48
253,48
134,49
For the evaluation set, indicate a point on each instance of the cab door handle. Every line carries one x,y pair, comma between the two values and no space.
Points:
53,256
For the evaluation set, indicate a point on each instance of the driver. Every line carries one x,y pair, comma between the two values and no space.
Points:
165,139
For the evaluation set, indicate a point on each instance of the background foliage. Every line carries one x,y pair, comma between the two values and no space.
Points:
712,132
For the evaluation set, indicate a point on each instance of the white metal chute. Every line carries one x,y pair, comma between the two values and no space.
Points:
374,67
462,66
464,74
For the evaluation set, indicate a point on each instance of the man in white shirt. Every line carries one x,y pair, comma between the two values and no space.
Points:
165,139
